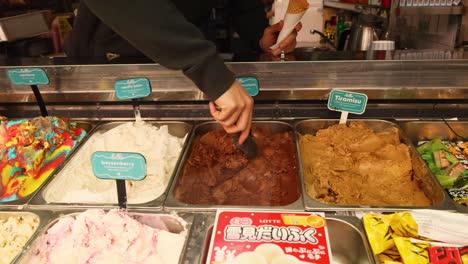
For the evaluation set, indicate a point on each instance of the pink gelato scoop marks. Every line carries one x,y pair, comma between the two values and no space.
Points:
96,236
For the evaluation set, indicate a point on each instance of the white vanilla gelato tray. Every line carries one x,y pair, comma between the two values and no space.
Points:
161,143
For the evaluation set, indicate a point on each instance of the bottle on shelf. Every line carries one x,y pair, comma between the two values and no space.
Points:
330,28
341,25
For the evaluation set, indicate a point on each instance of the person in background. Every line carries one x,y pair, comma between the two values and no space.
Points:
168,32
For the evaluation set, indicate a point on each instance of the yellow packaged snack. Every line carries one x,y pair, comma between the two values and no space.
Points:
403,225
412,253
418,237
378,232
389,256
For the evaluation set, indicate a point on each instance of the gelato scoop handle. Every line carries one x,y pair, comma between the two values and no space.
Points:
136,110
121,194
40,100
248,147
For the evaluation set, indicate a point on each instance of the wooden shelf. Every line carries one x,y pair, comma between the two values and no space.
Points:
431,10
404,11
354,7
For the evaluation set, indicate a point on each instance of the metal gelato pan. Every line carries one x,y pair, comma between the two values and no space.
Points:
88,127
270,181
420,173
173,223
61,181
348,241
21,239
418,131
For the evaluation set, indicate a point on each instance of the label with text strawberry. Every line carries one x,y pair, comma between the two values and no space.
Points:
251,237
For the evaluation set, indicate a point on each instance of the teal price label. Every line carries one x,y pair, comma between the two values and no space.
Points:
132,88
344,101
118,165
28,76
250,84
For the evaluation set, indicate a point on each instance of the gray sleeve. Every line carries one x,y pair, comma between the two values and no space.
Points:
161,32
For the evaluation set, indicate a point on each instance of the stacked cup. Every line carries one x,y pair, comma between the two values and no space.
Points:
381,50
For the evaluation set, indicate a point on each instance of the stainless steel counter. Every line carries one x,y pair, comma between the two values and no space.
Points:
380,80
289,91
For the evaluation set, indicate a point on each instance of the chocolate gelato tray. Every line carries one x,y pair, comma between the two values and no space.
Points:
110,236
53,160
161,143
213,174
17,230
366,165
419,132
346,234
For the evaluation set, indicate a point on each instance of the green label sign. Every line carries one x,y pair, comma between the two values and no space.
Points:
250,84
132,88
28,76
347,102
118,165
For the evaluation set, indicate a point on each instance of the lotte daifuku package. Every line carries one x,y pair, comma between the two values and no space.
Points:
250,237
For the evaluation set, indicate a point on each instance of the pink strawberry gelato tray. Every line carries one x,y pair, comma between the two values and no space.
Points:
114,236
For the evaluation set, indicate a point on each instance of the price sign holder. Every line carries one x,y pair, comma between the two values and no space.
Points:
250,84
347,102
119,166
133,89
31,77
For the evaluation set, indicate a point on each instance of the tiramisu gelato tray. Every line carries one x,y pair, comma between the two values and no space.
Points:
364,164
215,174
160,143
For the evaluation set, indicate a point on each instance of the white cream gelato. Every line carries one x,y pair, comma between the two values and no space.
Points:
76,183
15,231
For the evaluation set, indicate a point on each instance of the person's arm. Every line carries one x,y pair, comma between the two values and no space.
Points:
161,32
249,20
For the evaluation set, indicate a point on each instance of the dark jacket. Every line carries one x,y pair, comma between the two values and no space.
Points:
166,32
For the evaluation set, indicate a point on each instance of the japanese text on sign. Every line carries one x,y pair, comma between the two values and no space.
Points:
267,233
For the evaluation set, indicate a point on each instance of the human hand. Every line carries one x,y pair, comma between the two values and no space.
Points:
233,111
270,35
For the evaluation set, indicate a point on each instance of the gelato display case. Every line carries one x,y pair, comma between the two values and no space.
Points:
224,177
347,240
16,230
305,161
370,163
438,144
161,144
32,149
98,235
